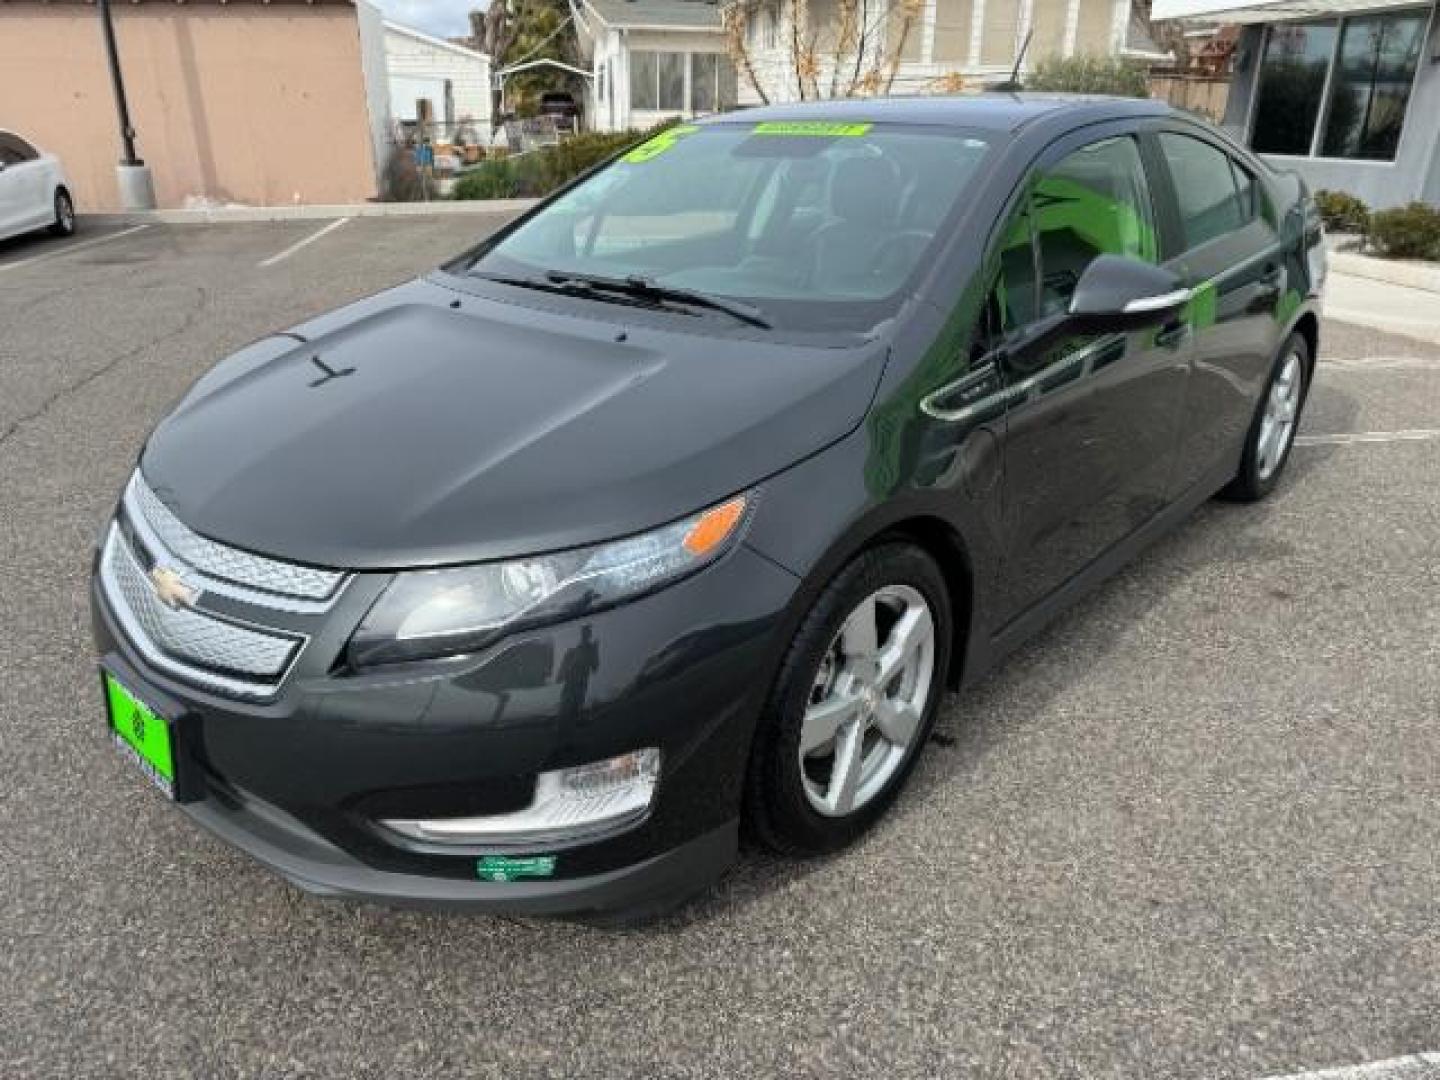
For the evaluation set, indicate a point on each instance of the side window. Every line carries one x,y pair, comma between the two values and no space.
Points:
1092,202
1210,202
1245,185
1011,301
10,149
23,151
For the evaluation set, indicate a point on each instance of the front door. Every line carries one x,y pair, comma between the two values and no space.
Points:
1090,427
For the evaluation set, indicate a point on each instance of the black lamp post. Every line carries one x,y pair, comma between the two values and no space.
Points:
122,107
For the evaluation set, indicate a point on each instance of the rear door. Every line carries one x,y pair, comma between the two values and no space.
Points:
11,188
1090,440
24,200
1223,241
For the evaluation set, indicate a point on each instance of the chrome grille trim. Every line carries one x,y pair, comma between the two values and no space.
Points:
199,647
246,574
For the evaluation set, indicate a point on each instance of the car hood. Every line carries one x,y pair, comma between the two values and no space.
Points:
405,431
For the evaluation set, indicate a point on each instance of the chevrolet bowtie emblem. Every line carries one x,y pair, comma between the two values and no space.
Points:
170,587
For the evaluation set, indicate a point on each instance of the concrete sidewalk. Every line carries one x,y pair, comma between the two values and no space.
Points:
1383,305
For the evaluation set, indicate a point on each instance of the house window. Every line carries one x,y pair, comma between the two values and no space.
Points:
1292,85
770,28
657,81
1373,76
1367,64
704,69
712,83
644,80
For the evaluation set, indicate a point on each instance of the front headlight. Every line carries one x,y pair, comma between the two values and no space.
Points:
432,613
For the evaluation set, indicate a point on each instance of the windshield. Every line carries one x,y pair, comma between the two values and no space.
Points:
818,225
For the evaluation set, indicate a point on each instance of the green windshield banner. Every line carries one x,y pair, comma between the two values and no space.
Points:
658,144
822,128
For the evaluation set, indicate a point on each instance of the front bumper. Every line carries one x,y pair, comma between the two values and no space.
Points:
300,781
312,863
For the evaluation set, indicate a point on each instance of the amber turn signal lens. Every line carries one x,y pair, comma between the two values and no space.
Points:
712,527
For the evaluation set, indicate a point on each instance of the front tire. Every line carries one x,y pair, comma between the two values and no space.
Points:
1272,433
853,704
64,223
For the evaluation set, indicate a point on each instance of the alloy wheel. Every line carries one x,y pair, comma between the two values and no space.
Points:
1277,426
867,703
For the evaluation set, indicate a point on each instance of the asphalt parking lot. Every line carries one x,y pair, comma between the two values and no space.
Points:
1190,831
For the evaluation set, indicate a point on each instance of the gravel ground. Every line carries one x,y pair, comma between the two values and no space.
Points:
1190,831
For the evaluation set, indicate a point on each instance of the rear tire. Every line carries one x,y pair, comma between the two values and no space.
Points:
853,705
64,223
1272,432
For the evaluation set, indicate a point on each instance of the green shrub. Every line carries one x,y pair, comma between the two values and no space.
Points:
1343,212
1087,74
540,172
1407,232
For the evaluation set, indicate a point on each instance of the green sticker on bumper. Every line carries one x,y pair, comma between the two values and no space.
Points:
505,868
822,128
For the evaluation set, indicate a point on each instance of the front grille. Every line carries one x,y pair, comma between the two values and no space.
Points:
218,649
188,635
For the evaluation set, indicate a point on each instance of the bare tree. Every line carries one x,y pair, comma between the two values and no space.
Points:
856,52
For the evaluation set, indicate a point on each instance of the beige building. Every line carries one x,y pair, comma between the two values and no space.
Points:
242,102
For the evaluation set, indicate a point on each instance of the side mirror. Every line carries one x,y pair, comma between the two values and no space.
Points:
1116,293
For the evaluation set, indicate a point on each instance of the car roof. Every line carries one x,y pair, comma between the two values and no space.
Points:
990,111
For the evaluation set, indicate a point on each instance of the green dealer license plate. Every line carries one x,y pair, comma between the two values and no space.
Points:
142,734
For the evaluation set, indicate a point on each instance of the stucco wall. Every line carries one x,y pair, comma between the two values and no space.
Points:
242,103
1415,172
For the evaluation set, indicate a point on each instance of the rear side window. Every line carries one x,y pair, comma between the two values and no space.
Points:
1208,189
14,150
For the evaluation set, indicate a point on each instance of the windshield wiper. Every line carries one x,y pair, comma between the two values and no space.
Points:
643,288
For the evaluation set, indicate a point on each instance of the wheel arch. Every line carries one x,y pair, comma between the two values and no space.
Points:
942,542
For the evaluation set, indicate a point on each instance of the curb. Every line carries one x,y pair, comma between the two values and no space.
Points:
238,214
1411,274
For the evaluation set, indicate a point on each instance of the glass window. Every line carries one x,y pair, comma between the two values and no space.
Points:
804,225
1245,187
14,150
1093,202
1210,203
644,80
1371,87
1012,302
1292,85
672,81
702,81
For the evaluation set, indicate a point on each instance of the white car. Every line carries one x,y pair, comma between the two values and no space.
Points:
34,193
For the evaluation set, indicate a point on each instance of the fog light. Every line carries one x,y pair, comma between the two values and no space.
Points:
569,804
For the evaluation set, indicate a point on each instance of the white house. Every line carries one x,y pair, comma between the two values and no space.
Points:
653,59
447,82
976,40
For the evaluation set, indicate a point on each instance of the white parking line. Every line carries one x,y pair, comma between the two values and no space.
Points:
293,248
1347,438
1414,1067
68,248
1381,363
